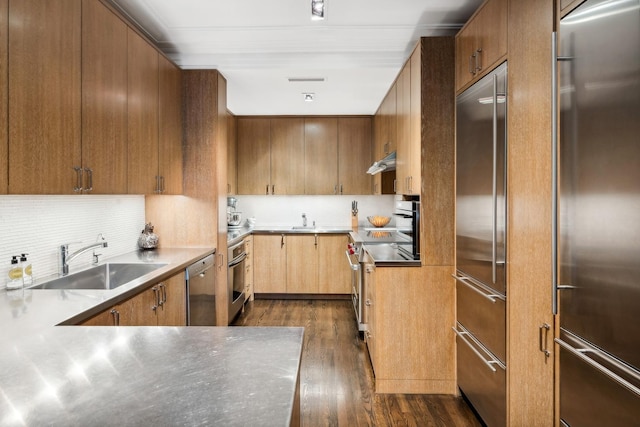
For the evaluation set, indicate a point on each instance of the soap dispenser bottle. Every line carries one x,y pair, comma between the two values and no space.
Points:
27,273
14,277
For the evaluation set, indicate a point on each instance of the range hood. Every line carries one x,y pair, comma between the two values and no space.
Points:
386,164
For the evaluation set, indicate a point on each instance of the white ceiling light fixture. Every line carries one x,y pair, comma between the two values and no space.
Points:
308,97
317,10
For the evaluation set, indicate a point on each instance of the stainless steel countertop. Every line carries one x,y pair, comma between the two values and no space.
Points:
26,312
132,376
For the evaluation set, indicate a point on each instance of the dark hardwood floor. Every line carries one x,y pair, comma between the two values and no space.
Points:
336,380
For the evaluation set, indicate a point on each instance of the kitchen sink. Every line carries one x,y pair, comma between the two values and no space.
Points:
106,276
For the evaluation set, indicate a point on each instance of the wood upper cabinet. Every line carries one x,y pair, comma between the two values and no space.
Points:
354,155
403,130
414,148
104,99
482,43
232,154
321,155
287,151
169,128
302,264
4,100
389,122
142,105
44,59
334,276
254,155
270,263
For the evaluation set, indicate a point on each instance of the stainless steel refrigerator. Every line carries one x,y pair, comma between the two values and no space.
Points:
481,113
597,281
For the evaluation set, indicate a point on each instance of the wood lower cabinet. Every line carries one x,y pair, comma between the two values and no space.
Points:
270,263
411,310
300,264
163,304
248,274
333,276
44,117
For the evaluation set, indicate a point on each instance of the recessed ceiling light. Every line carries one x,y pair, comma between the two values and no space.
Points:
308,97
317,10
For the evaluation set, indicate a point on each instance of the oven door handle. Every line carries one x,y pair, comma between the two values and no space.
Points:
237,260
354,267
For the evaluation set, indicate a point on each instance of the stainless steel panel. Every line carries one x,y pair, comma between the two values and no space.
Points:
484,387
486,320
589,397
481,180
201,302
599,205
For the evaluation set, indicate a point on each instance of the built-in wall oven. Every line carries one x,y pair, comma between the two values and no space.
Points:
407,213
235,278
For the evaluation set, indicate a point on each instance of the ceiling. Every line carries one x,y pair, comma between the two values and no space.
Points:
258,46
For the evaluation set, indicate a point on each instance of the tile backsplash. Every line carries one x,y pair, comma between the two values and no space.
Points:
38,225
324,210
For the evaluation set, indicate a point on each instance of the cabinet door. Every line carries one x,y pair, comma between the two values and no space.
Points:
248,274
104,318
173,294
302,264
270,263
4,100
403,110
44,96
254,155
142,105
354,155
232,155
334,274
465,55
491,35
389,121
287,154
170,127
104,98
415,122
321,155
142,309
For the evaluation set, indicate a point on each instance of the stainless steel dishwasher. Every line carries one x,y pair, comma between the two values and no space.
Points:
201,299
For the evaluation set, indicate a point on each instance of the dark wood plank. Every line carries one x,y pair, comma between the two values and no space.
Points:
336,379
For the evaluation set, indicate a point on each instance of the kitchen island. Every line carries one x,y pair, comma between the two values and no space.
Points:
139,375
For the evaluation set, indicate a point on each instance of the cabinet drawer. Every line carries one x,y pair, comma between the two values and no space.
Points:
486,320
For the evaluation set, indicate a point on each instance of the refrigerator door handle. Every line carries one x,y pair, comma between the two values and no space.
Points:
580,354
490,362
494,185
464,280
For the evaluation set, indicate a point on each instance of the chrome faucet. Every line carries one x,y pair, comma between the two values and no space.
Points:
304,219
65,258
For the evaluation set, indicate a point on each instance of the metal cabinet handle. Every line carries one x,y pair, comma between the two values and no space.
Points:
281,241
78,186
580,354
157,189
116,317
472,69
155,292
89,179
273,189
542,344
315,240
478,61
266,191
341,191
462,335
335,189
463,280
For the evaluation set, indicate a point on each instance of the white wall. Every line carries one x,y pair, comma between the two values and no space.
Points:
324,210
38,225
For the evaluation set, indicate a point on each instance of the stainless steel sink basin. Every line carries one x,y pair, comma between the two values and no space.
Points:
106,276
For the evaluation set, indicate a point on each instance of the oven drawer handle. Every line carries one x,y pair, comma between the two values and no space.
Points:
463,280
489,363
237,260
354,267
